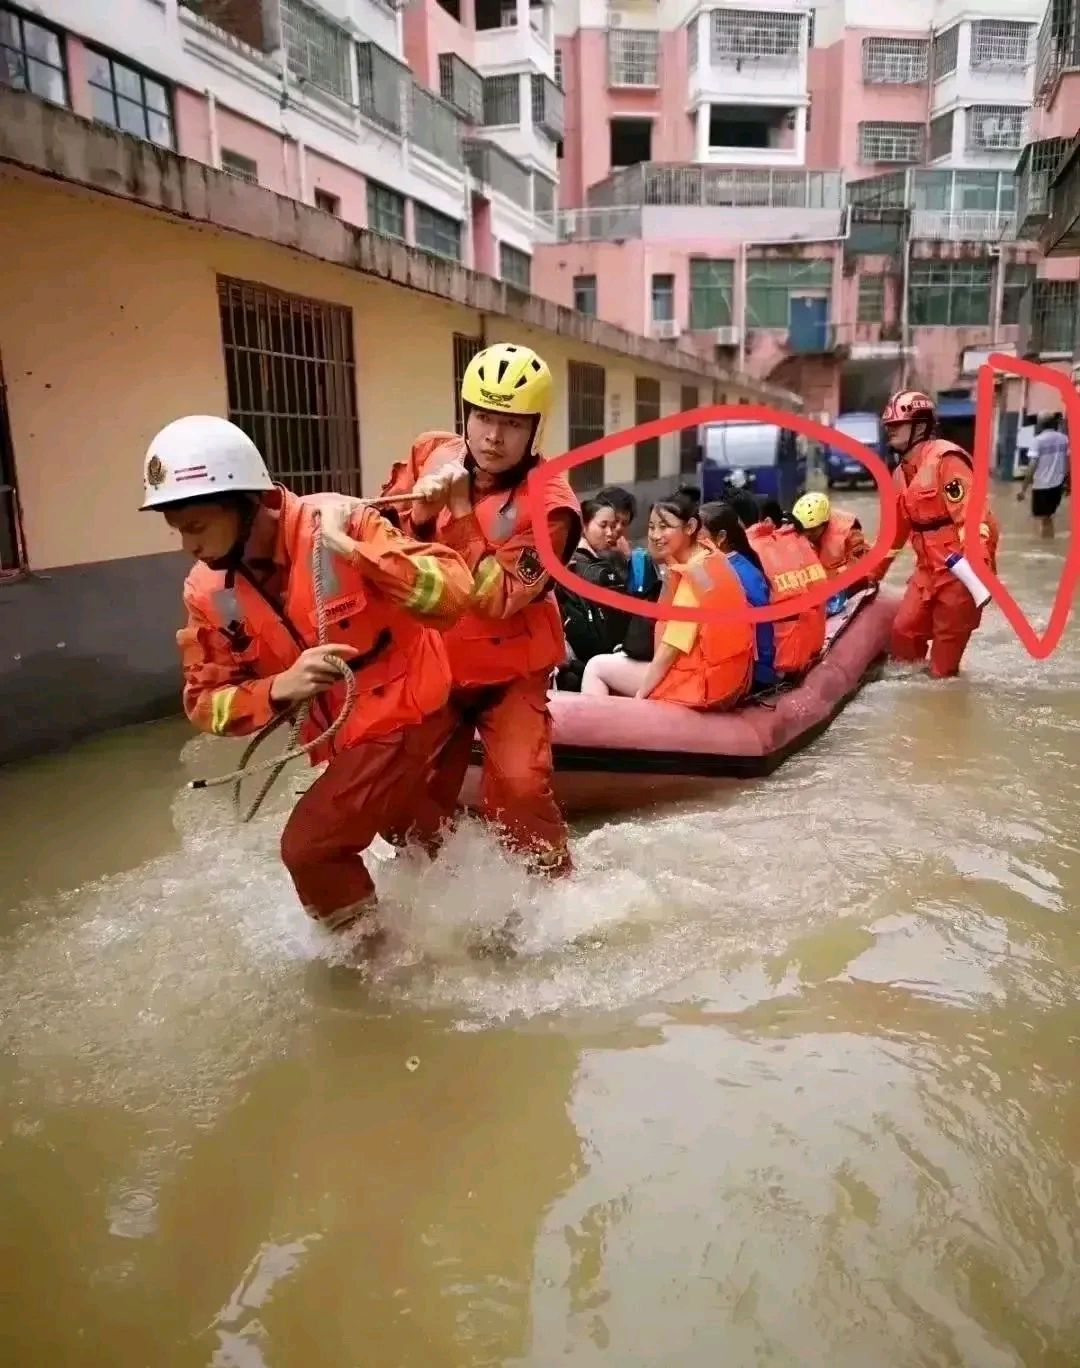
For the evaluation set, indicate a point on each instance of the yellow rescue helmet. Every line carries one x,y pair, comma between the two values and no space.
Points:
811,511
506,378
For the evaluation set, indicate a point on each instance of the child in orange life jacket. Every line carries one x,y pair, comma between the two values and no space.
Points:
792,567
933,483
700,665
250,648
472,497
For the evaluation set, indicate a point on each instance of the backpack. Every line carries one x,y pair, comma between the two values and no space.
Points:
592,629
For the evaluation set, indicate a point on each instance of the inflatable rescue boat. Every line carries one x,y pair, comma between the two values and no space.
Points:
615,754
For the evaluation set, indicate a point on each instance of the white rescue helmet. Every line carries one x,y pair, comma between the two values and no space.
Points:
199,456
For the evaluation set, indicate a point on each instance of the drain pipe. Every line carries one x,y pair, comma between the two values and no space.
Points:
212,125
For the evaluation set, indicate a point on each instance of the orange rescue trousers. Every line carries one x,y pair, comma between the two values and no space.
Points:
936,611
516,794
368,790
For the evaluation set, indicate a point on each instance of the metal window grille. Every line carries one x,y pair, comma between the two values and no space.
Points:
941,135
693,29
461,86
543,194
890,142
586,387
437,233
689,398
945,52
1001,45
663,298
316,50
464,349
712,285
548,112
434,126
32,58
515,267
1035,173
996,128
895,61
1057,46
633,57
585,295
811,27
493,167
871,301
502,100
291,375
559,68
385,211
1054,316
383,86
949,294
12,546
646,408
124,98
756,35
1019,278
243,168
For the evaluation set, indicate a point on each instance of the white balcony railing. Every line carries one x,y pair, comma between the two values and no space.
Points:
594,225
965,226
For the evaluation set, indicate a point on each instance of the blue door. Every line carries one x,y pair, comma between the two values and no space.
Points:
809,324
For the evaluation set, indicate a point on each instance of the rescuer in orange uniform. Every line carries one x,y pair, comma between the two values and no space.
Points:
835,534
933,482
250,651
471,494
792,567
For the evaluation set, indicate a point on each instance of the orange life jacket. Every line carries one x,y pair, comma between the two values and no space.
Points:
487,650
832,550
934,535
792,567
402,673
719,668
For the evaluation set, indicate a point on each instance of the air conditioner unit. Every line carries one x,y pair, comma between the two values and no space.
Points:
665,328
725,337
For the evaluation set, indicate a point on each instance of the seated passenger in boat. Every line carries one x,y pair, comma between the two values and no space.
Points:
835,534
700,665
625,508
592,629
721,524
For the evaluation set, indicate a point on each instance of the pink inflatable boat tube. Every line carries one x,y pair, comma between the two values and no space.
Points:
616,754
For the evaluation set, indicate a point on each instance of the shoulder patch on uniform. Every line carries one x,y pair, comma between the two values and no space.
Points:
954,491
530,568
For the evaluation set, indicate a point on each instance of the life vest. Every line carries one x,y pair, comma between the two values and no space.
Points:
832,549
934,535
402,672
792,567
487,650
719,668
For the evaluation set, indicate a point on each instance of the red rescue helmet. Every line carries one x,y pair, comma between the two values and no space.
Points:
908,406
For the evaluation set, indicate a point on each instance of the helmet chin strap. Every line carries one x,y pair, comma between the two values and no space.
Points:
234,557
921,430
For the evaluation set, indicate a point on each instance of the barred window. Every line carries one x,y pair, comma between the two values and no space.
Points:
383,84
586,386
663,298
890,142
945,52
633,57
646,410
1055,316
558,69
871,302
32,58
465,348
124,97
385,211
757,35
949,294
316,50
1000,45
515,267
689,398
291,376
996,128
502,100
712,285
243,168
895,61
437,233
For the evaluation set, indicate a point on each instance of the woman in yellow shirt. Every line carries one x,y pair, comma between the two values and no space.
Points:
674,527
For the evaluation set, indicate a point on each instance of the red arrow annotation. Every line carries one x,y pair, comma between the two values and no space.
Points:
1039,647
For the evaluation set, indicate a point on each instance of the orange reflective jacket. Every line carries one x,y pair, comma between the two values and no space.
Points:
237,638
792,567
514,626
842,543
719,668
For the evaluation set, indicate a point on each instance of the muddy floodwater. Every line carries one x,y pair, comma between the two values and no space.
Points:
784,1077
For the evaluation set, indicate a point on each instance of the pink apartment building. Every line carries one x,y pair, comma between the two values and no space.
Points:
833,204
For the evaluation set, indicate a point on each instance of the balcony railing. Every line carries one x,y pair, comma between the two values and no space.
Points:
548,107
384,86
1061,235
435,126
253,25
660,183
491,166
1035,170
1050,319
461,86
613,224
316,49
1057,47
973,225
